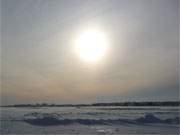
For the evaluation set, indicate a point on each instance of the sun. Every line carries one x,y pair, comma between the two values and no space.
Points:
91,45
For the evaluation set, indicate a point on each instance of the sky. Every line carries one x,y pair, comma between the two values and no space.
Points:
38,63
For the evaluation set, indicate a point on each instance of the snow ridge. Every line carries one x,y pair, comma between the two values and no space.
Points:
50,119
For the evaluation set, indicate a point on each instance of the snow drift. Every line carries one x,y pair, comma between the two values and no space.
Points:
50,119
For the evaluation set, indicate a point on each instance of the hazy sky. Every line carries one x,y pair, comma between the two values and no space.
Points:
38,63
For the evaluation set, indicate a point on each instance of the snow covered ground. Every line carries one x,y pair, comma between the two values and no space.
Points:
90,120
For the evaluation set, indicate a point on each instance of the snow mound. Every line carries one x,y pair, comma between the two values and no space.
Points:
44,119
150,118
50,119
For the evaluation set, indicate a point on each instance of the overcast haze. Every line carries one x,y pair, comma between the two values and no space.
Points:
38,64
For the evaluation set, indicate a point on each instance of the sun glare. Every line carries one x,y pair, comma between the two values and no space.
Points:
91,45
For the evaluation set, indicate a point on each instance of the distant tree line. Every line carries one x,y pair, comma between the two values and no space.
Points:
167,103
162,103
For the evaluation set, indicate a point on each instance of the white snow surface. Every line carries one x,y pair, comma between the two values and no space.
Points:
90,120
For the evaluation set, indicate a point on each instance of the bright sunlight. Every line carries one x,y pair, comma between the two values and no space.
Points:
91,45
